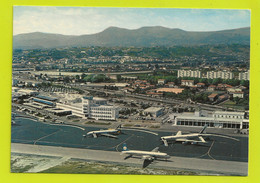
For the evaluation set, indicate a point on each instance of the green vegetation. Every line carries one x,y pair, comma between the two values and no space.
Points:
127,111
18,169
153,78
97,123
97,78
237,103
77,167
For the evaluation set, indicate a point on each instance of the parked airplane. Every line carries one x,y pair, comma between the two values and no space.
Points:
185,139
147,156
107,133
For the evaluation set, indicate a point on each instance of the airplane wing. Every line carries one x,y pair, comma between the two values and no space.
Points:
155,149
165,142
94,135
202,139
108,135
147,157
146,163
178,133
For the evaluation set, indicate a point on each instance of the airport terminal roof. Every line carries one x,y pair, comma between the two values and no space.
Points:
46,98
229,113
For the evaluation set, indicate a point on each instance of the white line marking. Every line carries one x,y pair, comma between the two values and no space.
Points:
141,131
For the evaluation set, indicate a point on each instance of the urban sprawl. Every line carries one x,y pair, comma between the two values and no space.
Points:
98,85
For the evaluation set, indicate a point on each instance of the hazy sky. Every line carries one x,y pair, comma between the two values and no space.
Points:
86,20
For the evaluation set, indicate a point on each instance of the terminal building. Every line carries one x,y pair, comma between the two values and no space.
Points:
45,100
218,119
99,109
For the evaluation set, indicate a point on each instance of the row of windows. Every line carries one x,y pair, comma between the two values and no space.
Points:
206,121
101,112
225,116
224,125
101,116
101,109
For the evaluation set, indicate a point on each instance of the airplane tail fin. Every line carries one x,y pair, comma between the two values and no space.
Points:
204,128
125,147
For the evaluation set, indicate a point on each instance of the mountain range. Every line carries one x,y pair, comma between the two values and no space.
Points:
142,37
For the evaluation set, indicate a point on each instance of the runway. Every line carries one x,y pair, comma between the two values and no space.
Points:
193,164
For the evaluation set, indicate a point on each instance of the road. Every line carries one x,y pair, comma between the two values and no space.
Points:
57,73
160,100
198,165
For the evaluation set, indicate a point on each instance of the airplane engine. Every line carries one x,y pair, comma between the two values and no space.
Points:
149,158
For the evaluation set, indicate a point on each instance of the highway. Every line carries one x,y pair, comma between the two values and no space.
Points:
193,164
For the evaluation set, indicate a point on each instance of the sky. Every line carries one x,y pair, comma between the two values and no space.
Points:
90,20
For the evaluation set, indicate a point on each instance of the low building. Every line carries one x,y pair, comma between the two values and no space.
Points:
200,85
45,100
235,89
187,82
153,111
170,90
223,86
171,84
212,88
219,119
161,81
222,98
212,97
238,94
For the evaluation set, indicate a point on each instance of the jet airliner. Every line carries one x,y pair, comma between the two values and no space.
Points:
147,156
107,133
187,138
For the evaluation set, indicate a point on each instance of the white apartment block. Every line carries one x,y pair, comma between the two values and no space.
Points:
244,75
189,73
98,109
220,74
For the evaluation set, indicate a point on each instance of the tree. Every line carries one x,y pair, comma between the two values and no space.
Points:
118,78
67,79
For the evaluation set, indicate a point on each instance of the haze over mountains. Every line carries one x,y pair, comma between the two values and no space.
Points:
142,37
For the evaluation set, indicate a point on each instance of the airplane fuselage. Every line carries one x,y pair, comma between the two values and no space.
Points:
146,153
174,137
102,131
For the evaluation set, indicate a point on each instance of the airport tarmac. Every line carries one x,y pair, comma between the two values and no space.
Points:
204,166
28,131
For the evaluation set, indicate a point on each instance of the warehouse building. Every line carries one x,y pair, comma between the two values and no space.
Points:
153,111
